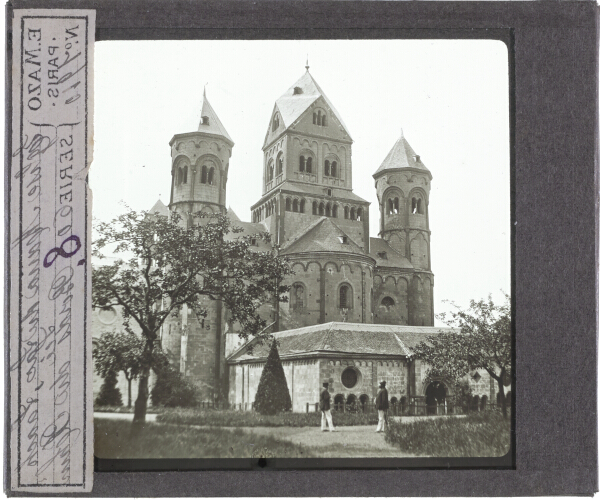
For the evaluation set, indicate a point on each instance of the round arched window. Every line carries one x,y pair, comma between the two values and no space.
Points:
349,378
107,315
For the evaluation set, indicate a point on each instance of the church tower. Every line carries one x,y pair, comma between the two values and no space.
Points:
199,167
307,168
403,185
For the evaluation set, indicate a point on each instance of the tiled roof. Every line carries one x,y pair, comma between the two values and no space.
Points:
344,338
214,125
292,105
393,258
401,155
323,235
249,228
159,207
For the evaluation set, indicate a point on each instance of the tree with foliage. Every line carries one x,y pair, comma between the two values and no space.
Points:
484,342
173,390
119,352
172,264
109,394
272,395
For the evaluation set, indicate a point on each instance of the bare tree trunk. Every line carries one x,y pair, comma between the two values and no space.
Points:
502,397
141,403
129,380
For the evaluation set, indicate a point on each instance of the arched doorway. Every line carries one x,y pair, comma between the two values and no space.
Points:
364,400
402,404
435,398
351,403
338,402
475,404
483,403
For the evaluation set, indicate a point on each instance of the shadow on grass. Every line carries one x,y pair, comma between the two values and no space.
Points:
112,439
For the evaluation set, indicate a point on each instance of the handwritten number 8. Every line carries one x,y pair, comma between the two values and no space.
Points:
56,251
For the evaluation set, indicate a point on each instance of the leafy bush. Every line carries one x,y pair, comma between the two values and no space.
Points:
272,395
112,439
109,392
485,434
172,390
230,418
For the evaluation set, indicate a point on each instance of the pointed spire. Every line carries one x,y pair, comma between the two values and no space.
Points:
209,121
307,66
401,156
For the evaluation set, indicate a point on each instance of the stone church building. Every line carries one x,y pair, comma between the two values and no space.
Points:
357,303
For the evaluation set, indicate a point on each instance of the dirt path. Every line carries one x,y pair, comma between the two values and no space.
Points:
355,441
150,417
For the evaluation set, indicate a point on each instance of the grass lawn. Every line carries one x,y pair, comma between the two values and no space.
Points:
231,418
112,440
484,434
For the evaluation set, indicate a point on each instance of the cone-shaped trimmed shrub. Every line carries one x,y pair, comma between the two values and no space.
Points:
272,395
109,394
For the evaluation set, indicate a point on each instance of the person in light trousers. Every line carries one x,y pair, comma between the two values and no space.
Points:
325,405
382,406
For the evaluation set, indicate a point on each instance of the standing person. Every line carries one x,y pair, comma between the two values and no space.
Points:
325,405
382,406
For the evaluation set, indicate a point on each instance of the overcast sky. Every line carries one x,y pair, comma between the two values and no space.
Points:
449,97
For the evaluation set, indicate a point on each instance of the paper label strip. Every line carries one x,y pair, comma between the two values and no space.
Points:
50,363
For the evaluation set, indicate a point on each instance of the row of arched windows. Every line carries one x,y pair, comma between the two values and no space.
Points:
305,164
295,205
207,176
331,168
393,206
298,299
271,167
299,205
320,118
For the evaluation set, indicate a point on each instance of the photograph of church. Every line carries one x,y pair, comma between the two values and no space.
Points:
349,202
357,303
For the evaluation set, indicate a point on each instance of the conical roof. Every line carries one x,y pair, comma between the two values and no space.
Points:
232,215
298,98
401,156
160,208
209,121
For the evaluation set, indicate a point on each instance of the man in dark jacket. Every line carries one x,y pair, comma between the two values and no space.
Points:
382,406
325,405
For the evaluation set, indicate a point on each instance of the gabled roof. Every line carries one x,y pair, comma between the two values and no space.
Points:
293,103
323,235
343,338
392,258
159,207
401,156
214,125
